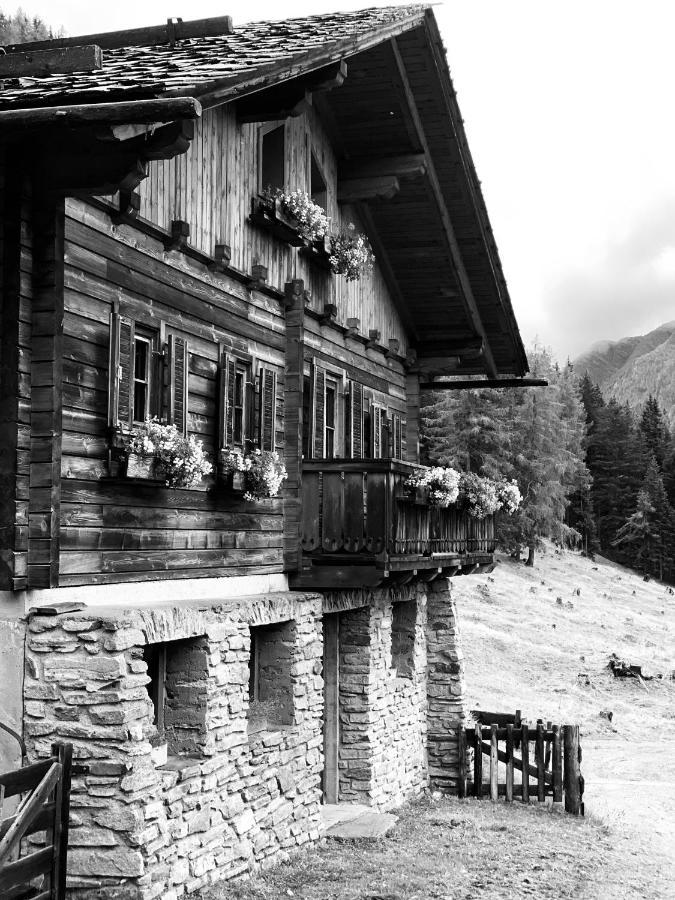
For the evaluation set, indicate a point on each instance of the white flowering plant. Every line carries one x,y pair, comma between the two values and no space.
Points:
313,223
479,495
442,483
351,254
181,460
509,496
263,470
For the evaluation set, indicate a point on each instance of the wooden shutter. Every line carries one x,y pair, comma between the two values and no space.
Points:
356,419
376,422
397,427
120,371
268,406
178,382
227,372
318,413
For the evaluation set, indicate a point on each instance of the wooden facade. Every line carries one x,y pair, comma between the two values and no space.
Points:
331,368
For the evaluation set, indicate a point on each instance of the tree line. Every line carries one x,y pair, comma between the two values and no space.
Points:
592,474
21,28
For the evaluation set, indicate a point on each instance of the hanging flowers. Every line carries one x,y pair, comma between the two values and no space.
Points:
351,254
481,496
263,471
442,483
311,218
509,495
179,460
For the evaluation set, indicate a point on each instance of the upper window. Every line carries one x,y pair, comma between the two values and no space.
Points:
142,385
271,157
330,428
318,189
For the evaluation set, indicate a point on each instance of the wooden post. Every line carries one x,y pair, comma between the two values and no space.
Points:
509,763
557,765
293,388
494,764
572,774
461,747
477,763
541,766
46,388
525,742
331,718
64,753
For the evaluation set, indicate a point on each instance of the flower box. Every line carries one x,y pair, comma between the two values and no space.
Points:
267,212
145,467
318,252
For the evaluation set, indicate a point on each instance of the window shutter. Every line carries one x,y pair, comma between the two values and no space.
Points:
268,405
356,419
178,382
319,418
226,405
376,420
396,436
120,371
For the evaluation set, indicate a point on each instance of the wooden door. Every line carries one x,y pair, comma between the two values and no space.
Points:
331,714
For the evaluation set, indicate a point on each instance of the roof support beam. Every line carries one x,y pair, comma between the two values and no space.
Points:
290,98
131,111
381,187
466,290
409,165
479,383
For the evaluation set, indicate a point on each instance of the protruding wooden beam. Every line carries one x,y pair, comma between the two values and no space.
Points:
459,346
289,98
481,383
394,346
102,113
380,187
222,254
42,63
467,291
329,314
353,326
180,232
410,165
128,208
374,337
174,30
259,275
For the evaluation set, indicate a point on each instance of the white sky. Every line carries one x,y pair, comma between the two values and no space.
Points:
570,117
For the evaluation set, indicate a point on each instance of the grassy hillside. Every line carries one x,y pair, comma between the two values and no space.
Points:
539,640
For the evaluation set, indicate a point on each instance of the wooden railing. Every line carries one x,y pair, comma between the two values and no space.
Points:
28,870
550,755
362,508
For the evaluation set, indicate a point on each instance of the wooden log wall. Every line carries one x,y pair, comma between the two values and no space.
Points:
211,186
113,530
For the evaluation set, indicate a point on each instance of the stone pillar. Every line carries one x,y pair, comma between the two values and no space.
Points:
445,687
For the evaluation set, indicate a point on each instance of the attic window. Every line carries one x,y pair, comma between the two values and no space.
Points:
318,188
272,151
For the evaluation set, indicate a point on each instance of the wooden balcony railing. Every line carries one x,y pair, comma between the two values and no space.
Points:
358,511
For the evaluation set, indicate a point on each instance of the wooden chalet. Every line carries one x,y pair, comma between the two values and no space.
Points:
146,273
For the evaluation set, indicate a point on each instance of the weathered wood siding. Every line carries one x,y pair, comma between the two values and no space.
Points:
113,530
211,186
15,366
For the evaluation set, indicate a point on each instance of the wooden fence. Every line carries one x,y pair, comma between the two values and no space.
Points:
27,871
550,755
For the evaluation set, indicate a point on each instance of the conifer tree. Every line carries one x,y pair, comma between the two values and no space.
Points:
654,430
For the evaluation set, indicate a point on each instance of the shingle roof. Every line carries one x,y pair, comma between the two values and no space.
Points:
229,64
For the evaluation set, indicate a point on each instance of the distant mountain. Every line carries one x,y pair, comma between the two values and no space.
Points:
634,367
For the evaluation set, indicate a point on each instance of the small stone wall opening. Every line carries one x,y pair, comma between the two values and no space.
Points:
270,690
403,624
178,673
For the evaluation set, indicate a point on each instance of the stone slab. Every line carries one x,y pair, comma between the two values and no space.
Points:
368,826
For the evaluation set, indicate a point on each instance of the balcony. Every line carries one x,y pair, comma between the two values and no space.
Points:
360,526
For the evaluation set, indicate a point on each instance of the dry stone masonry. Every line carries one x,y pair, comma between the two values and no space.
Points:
236,690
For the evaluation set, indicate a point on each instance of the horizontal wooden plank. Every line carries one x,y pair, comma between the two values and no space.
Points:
72,563
76,539
25,779
23,870
127,517
213,572
118,493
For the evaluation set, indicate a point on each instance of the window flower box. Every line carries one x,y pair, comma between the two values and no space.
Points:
259,473
158,452
268,213
146,467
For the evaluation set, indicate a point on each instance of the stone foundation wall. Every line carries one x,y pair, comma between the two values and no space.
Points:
445,687
382,752
236,802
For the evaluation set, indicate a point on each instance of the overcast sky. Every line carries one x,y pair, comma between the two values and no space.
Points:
570,117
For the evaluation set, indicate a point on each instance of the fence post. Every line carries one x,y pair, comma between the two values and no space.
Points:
509,763
541,763
557,766
572,774
477,763
494,762
525,753
461,745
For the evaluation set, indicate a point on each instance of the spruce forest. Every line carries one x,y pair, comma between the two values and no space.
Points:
593,474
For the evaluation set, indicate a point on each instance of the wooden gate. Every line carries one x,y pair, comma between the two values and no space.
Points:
550,755
27,870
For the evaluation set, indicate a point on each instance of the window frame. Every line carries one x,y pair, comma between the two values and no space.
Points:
149,338
263,132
